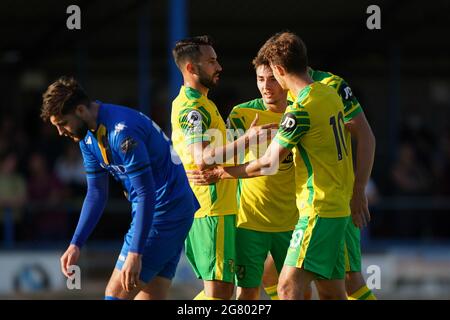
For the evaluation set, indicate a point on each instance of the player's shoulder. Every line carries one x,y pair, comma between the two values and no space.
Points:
189,96
257,104
323,76
191,99
328,78
318,89
248,107
111,112
118,118
121,121
313,94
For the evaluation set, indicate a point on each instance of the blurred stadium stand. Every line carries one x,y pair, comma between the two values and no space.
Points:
400,74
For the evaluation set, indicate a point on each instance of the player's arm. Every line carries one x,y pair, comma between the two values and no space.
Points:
134,156
268,164
365,149
93,206
295,124
356,123
198,132
365,153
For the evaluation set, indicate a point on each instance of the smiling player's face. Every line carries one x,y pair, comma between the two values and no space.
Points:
70,126
208,68
268,86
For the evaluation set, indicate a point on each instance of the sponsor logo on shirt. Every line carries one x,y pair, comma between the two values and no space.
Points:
289,122
119,127
128,144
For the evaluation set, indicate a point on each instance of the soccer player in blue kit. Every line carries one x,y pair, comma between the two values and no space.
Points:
133,149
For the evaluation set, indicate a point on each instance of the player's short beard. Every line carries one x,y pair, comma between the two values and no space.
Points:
81,131
206,80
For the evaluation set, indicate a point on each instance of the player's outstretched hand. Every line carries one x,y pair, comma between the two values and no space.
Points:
131,269
70,257
360,209
259,134
205,177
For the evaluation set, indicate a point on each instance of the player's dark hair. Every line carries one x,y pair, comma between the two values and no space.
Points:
189,49
287,50
260,60
61,97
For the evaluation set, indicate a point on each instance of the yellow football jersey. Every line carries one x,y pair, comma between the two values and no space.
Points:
195,118
314,127
351,105
265,203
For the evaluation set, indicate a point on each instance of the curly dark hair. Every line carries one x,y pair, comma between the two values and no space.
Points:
287,50
260,60
61,97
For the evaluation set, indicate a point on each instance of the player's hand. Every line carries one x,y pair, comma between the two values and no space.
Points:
360,208
70,257
205,177
258,134
131,269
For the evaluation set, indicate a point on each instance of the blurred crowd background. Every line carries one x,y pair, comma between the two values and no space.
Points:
400,74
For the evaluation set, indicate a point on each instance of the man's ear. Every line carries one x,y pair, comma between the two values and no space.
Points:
190,67
80,110
279,69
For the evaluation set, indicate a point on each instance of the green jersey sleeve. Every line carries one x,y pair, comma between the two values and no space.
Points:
294,124
235,125
194,122
351,105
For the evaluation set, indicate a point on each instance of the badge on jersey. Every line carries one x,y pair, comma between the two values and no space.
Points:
128,144
346,92
289,158
289,122
194,118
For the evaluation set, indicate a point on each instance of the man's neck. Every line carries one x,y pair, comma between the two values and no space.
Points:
297,82
92,122
278,107
197,86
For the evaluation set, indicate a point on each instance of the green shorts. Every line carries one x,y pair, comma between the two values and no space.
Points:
352,248
317,245
210,247
251,253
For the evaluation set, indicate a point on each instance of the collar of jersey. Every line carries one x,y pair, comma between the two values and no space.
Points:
303,93
99,117
192,93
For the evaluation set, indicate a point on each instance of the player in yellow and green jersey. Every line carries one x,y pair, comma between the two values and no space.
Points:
361,132
313,128
199,137
267,211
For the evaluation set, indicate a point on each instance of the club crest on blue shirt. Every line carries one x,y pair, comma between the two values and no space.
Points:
119,127
128,144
